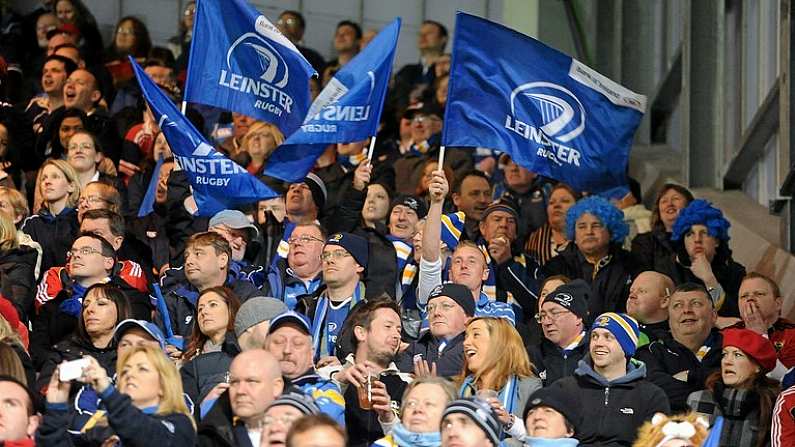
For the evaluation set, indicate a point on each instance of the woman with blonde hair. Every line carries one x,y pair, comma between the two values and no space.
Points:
421,408
55,226
14,204
497,370
145,408
258,144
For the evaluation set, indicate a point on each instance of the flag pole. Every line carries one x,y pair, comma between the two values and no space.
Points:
184,106
441,158
370,150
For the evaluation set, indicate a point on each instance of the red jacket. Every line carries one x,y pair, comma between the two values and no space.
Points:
782,430
52,282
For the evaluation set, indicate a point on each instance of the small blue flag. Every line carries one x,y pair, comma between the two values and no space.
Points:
239,61
148,204
348,109
218,182
551,113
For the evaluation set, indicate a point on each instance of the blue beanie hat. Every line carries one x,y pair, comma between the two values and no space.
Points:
701,212
623,327
353,244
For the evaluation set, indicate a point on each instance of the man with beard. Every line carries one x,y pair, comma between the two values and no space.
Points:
376,329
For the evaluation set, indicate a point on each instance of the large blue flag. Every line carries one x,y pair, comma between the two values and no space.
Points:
551,113
348,109
239,61
218,182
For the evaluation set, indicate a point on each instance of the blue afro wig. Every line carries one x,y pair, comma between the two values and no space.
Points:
610,216
701,212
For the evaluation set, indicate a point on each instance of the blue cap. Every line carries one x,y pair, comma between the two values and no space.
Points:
148,327
290,316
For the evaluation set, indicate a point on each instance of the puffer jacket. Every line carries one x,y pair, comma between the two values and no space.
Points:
613,411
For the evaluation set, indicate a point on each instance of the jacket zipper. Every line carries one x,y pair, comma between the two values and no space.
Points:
607,394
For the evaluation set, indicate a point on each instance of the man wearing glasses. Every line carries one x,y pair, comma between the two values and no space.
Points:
300,274
344,260
563,315
292,25
59,297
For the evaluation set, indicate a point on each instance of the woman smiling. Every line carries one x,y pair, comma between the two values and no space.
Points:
497,369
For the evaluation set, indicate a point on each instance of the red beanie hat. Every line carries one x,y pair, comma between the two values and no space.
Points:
755,346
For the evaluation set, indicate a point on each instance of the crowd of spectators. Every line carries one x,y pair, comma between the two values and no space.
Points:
386,302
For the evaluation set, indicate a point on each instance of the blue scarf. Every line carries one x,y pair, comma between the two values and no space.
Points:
74,304
319,321
507,394
405,438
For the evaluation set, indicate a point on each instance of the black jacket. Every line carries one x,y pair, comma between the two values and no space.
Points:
55,234
381,274
611,283
17,278
449,363
203,372
73,348
217,429
552,362
666,357
130,424
654,251
729,274
613,411
367,429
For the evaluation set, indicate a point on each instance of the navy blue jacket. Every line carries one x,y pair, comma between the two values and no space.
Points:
131,425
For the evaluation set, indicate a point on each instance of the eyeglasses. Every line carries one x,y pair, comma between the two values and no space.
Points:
94,200
553,316
303,240
125,31
336,255
288,21
83,251
443,306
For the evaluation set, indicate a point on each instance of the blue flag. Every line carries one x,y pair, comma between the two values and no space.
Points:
218,182
348,109
239,61
148,203
551,113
